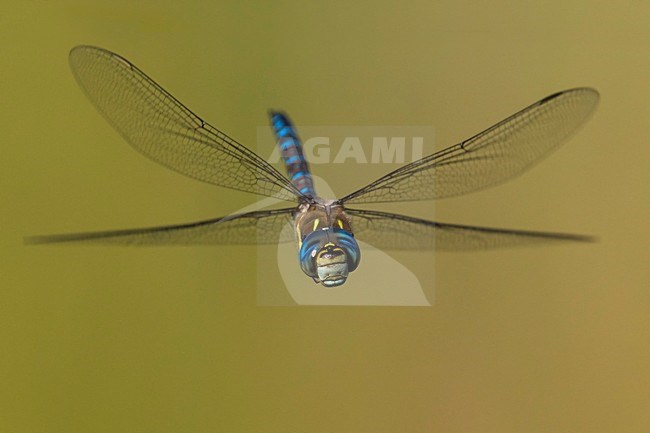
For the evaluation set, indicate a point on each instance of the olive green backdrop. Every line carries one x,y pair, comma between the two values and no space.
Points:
98,339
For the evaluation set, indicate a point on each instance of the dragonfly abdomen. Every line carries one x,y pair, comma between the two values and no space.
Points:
291,151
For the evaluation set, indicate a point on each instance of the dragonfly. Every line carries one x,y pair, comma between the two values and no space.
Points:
325,231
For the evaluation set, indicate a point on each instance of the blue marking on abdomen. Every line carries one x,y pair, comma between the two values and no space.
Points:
292,156
286,142
293,159
285,131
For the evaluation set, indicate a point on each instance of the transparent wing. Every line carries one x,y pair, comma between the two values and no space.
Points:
489,158
400,232
252,228
163,129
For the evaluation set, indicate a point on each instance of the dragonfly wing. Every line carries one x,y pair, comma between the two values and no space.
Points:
163,129
490,157
252,228
400,232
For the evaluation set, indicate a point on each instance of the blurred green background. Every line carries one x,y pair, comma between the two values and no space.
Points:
171,339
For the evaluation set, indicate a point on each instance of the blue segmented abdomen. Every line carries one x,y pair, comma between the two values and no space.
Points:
291,151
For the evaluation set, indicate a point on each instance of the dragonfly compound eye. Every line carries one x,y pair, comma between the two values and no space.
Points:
329,256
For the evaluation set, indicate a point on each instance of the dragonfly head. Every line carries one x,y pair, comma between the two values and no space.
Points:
331,266
328,256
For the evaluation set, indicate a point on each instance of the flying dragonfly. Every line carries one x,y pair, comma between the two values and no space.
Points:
325,231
